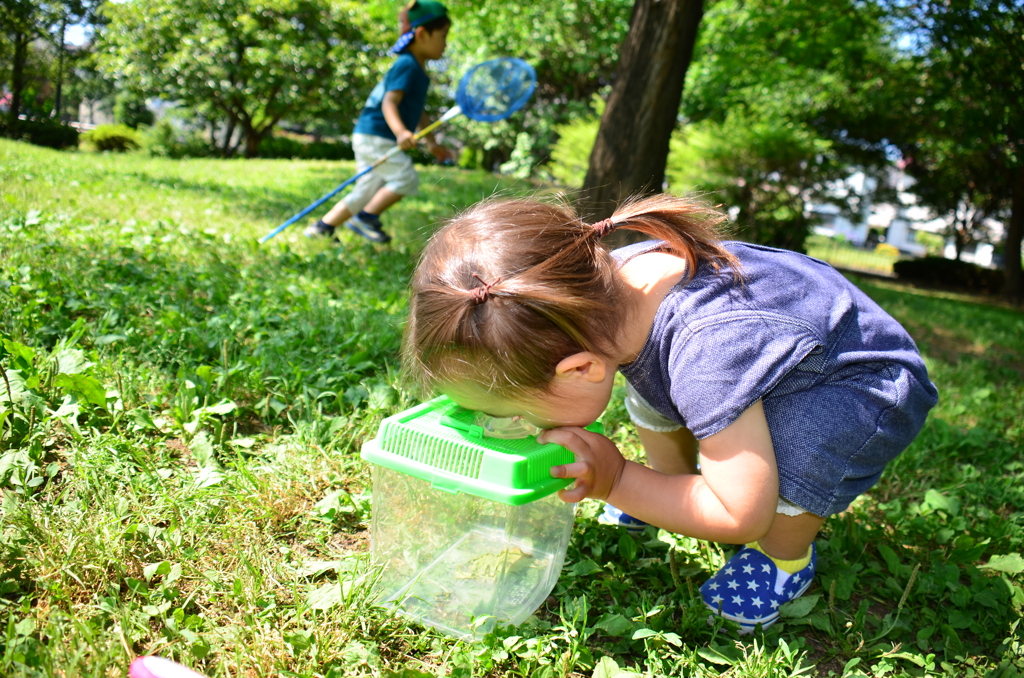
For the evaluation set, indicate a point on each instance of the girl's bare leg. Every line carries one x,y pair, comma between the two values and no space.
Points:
789,536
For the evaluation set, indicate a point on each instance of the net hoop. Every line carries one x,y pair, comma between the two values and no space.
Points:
495,89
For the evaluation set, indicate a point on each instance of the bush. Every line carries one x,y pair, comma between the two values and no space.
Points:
289,148
117,138
163,140
49,133
130,109
950,273
571,155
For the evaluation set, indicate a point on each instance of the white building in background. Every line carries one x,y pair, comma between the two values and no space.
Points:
896,225
93,112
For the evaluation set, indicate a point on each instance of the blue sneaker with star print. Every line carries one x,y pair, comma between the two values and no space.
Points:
614,516
750,588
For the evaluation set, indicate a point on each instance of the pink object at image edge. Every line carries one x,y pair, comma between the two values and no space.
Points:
158,667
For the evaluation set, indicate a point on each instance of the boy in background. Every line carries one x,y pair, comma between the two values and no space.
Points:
391,114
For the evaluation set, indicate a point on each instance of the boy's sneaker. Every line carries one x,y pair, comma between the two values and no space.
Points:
750,588
320,230
368,229
613,516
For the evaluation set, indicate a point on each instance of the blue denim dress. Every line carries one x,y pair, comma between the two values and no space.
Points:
843,386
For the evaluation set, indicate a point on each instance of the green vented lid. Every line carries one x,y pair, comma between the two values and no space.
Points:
439,442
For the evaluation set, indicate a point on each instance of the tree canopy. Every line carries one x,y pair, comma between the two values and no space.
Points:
245,63
966,144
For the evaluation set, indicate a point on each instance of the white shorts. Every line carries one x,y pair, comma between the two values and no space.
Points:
397,174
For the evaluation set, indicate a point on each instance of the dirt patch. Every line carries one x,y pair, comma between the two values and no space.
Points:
349,542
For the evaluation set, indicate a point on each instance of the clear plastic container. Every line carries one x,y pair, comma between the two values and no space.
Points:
468,528
461,563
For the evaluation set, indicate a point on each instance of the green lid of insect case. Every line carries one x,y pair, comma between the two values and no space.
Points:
440,442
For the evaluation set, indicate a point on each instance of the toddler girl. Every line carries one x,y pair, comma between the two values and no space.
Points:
795,386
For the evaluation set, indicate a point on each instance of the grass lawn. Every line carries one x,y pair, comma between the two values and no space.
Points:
849,257
180,473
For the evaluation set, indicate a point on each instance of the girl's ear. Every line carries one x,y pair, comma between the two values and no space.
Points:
583,365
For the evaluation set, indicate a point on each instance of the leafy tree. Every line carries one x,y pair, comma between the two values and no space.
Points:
764,168
786,99
970,115
67,14
35,70
247,63
572,45
20,20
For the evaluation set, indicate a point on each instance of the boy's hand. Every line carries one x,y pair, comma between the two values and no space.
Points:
440,152
598,464
406,140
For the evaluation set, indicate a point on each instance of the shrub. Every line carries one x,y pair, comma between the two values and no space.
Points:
289,148
950,273
117,138
571,155
49,133
130,109
164,140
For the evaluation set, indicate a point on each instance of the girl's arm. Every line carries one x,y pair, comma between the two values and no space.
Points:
733,500
389,107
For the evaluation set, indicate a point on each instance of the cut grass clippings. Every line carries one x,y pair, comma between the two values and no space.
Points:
179,458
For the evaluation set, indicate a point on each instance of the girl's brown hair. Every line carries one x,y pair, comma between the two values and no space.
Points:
506,290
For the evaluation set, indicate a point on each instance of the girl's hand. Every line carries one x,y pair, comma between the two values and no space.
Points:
598,464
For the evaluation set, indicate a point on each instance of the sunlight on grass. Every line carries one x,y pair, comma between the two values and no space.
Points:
180,474
846,256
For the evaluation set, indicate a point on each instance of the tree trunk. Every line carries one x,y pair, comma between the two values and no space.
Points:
1014,288
632,143
60,67
225,150
21,42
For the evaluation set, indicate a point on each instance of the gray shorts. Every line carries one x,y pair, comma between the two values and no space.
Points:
397,174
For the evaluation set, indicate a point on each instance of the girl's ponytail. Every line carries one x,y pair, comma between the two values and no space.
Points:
509,288
691,229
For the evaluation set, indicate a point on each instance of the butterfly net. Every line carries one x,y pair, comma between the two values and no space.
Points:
495,89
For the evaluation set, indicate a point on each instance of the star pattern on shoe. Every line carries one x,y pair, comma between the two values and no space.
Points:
768,586
614,516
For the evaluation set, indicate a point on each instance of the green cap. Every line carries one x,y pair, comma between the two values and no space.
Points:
425,11
416,14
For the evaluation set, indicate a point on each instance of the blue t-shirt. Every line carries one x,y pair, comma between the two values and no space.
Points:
717,346
406,75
